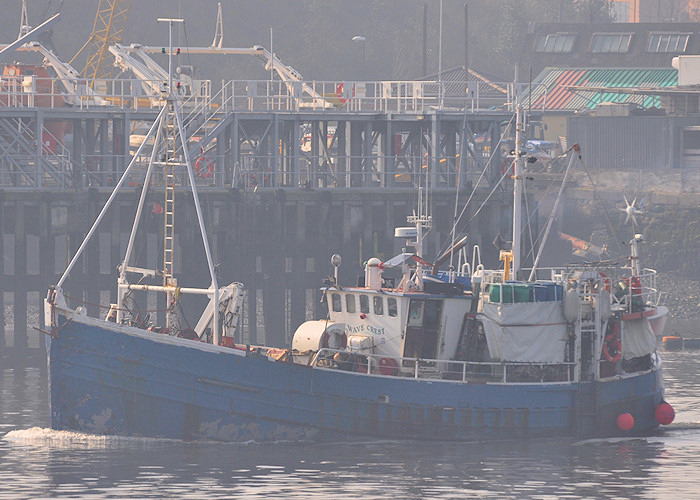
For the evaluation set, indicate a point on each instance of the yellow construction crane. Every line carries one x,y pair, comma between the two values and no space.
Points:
107,30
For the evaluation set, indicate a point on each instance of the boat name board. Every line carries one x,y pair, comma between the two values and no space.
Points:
363,328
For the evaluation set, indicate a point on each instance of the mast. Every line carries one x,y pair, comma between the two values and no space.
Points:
518,191
422,221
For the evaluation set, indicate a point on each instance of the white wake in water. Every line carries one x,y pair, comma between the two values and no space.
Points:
42,436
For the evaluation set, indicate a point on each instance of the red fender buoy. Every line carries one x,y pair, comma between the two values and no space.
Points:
664,413
625,421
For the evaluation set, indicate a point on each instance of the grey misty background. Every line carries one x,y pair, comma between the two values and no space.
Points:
315,36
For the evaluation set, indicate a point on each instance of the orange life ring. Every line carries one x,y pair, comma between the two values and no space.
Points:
326,337
618,353
606,280
204,167
388,366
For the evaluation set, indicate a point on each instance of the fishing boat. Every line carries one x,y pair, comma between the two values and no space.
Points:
467,353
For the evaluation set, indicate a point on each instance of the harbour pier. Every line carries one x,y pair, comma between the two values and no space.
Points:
285,180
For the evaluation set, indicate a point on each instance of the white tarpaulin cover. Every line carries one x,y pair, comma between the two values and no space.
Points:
527,331
638,338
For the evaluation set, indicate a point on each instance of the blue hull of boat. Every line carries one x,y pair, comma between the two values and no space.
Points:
142,384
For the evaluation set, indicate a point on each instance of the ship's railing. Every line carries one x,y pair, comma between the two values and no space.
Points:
460,371
628,293
636,293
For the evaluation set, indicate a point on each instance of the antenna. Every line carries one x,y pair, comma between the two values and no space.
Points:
170,22
218,41
24,27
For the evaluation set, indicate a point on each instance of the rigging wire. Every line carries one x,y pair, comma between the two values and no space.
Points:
605,211
459,171
528,221
187,44
483,204
531,215
481,176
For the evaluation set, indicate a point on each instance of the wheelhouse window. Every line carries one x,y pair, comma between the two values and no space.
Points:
611,42
378,305
391,307
350,303
555,42
415,313
364,304
337,303
668,42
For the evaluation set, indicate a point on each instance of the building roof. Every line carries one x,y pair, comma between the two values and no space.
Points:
563,89
605,45
456,79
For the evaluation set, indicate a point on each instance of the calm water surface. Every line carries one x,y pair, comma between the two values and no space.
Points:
37,462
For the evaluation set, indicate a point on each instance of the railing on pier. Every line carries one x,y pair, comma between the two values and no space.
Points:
460,371
364,96
309,163
252,172
29,91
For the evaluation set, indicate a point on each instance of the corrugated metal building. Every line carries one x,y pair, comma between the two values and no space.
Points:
637,142
636,139
623,142
564,89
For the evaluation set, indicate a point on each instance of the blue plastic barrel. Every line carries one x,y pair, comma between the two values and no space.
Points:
539,293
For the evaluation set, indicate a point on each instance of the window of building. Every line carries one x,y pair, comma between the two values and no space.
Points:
611,42
391,306
378,305
337,304
555,42
691,140
364,304
350,303
668,42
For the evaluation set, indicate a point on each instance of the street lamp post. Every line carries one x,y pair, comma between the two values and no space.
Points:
362,40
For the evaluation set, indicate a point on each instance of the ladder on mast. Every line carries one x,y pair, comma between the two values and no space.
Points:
169,208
